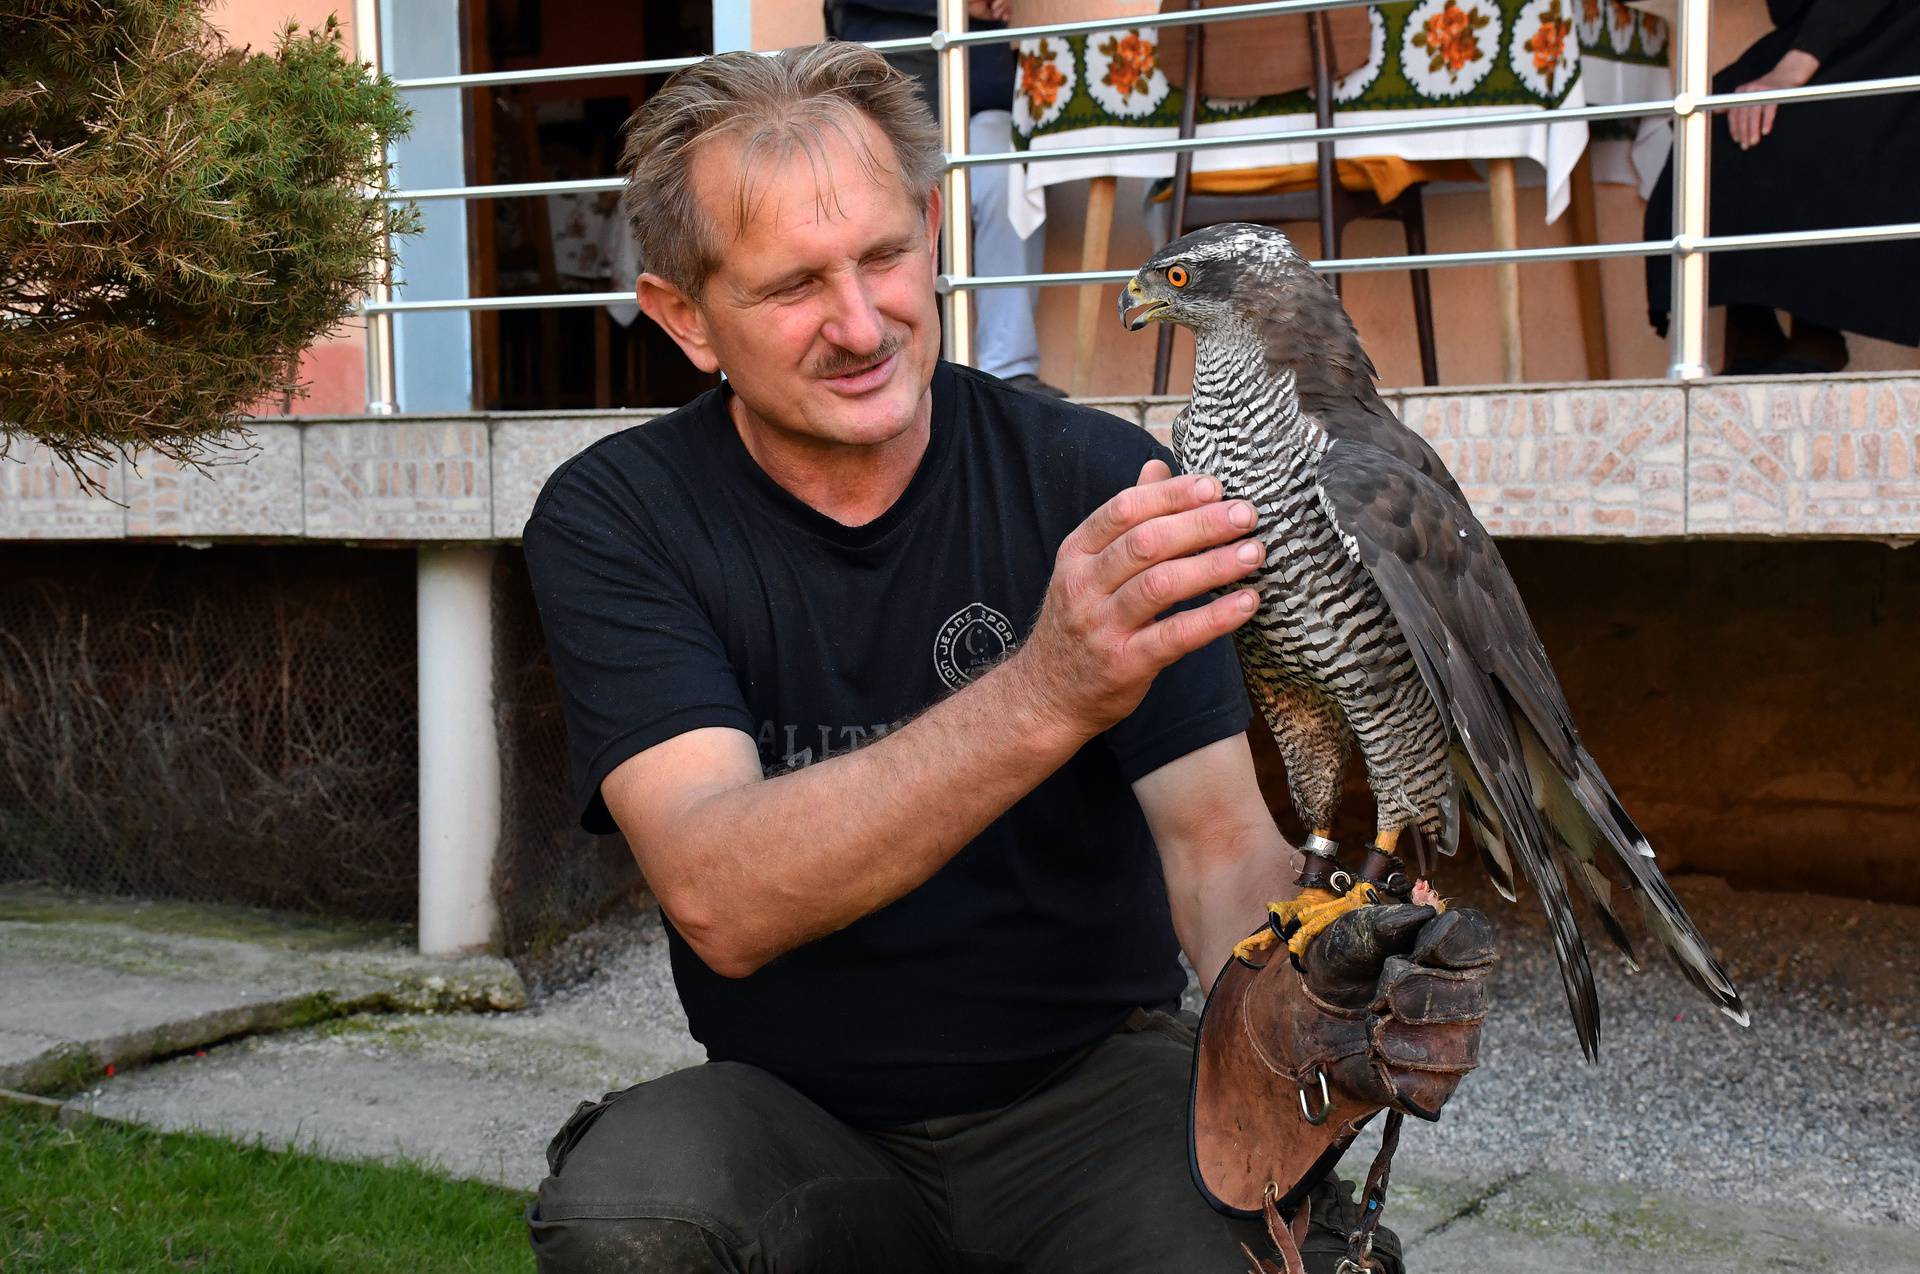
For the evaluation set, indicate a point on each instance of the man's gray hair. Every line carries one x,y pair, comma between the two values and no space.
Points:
774,105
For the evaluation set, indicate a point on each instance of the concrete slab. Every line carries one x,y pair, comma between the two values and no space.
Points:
474,1095
91,983
1542,1164
1552,1221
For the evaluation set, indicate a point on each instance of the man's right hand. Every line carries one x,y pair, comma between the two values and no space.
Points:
1100,639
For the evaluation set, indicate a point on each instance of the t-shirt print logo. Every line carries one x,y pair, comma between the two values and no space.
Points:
973,639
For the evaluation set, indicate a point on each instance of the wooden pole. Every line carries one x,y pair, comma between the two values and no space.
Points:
1504,197
1094,301
1587,281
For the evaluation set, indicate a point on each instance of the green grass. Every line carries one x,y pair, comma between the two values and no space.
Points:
109,1198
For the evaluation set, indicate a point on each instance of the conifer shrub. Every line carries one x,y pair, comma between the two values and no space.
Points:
178,220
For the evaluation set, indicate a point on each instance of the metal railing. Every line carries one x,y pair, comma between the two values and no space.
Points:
1690,106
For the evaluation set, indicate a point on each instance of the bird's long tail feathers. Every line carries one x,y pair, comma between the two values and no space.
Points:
1575,839
1488,836
1585,815
1507,810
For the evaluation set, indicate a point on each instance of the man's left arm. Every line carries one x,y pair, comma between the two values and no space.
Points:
1223,858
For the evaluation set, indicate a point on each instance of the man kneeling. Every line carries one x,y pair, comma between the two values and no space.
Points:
914,697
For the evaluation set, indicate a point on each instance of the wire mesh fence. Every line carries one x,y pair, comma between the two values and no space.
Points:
239,724
550,877
231,724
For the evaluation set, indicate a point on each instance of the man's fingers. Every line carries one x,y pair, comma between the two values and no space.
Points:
1766,118
1186,631
1163,586
1171,536
1152,498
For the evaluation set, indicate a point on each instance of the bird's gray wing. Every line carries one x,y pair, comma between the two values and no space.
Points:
1483,663
1350,417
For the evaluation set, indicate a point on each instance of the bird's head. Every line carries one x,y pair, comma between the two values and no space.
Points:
1246,283
1215,278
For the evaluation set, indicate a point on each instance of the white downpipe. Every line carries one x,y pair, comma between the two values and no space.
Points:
459,750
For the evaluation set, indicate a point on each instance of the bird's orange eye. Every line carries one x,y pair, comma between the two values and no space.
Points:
1177,275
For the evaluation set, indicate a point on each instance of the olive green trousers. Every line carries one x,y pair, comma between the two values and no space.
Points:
723,1167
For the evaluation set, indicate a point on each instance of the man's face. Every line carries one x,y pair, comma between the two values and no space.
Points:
821,309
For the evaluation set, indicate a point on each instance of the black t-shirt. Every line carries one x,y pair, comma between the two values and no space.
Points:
679,587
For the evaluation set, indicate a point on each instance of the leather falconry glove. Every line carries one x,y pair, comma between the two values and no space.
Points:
1384,1012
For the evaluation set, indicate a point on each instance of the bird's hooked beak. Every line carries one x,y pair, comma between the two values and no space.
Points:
1136,308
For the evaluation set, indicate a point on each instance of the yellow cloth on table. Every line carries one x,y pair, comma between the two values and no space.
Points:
1385,175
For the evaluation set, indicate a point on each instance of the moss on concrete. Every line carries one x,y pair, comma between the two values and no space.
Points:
292,931
167,978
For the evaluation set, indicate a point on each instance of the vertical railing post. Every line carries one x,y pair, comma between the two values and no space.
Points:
381,379
956,233
1692,142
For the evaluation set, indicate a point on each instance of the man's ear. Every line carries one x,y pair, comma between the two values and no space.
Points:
934,209
679,318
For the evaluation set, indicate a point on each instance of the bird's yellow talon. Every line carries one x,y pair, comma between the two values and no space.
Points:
1249,948
1302,918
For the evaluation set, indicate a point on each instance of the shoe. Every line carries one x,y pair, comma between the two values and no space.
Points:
1782,365
1034,385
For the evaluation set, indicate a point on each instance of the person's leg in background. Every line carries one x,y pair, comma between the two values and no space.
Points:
1006,343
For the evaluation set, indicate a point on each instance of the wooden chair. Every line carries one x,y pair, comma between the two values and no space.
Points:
1330,204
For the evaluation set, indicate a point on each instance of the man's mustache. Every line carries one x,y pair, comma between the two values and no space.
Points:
843,362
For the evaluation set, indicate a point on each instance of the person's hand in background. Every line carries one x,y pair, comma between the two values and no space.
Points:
1748,124
994,10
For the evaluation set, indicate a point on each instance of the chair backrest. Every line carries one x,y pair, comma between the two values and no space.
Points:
1265,55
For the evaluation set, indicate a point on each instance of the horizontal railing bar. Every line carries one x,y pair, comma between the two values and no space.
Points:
608,70
1400,128
1805,238
938,40
1571,252
510,190
1305,136
1437,260
1178,18
545,301
1812,92
1520,256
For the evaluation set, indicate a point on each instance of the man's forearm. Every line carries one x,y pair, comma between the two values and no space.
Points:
767,866
1229,902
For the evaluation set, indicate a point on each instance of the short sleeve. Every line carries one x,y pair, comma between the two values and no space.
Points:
634,652
1199,700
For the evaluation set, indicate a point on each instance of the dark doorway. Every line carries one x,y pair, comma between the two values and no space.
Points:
578,357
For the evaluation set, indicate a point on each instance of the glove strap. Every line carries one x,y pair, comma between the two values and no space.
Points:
1373,1202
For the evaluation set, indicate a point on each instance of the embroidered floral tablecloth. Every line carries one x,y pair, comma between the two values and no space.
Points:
1456,57
1623,52
1623,58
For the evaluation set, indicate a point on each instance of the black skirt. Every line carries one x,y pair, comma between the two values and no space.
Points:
1825,164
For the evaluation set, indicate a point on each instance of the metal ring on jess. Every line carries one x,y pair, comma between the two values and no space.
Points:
1326,1100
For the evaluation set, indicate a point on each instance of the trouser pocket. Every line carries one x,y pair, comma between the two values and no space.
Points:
578,1122
1179,1027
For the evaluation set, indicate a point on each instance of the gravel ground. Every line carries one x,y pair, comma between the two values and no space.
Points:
1814,1106
613,973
